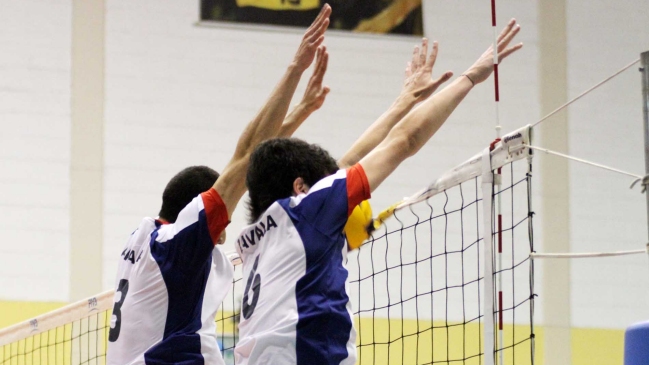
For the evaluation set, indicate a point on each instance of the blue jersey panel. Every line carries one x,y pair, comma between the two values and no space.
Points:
324,325
326,208
185,267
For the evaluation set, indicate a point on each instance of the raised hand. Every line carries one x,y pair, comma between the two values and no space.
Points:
315,93
483,67
314,96
419,73
313,38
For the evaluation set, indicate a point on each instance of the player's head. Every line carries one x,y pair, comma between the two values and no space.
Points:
182,188
284,167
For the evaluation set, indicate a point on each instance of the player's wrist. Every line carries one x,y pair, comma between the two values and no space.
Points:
406,100
468,77
296,68
306,107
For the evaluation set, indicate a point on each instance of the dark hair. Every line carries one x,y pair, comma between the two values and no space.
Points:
274,166
184,187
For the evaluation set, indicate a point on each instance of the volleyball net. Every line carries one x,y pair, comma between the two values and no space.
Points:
446,278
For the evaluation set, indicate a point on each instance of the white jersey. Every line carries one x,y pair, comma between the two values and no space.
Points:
170,283
295,307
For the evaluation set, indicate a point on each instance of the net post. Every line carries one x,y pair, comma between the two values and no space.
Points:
487,220
644,69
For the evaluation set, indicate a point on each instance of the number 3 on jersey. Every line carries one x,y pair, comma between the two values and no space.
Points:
254,280
122,288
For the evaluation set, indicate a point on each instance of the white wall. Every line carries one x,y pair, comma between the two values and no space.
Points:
606,127
34,149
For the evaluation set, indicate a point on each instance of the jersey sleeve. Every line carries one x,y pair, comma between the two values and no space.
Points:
331,200
216,214
190,240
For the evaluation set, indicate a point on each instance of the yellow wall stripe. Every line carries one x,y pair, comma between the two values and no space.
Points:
591,346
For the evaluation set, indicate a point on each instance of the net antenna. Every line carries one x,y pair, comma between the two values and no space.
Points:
495,179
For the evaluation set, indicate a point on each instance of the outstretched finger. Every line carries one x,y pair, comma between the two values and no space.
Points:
442,79
506,30
429,90
325,61
424,51
318,60
508,37
317,42
414,63
320,30
408,69
324,14
433,56
321,64
504,54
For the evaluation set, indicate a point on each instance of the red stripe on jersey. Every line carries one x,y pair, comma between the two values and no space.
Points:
216,213
358,188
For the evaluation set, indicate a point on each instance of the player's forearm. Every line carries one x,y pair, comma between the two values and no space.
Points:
422,122
413,131
231,185
267,123
294,120
377,132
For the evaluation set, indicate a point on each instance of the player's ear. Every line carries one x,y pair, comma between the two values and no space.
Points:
300,187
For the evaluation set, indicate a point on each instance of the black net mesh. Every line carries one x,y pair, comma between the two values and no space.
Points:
82,341
418,285
227,319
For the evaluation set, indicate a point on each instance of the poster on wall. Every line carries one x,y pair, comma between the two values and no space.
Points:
365,16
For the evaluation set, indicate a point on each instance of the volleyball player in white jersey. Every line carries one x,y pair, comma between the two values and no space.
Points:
172,278
295,307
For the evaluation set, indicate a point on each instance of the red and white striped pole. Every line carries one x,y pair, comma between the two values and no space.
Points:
497,182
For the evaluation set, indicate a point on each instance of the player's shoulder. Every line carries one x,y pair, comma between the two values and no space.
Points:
148,223
328,181
138,241
144,229
166,232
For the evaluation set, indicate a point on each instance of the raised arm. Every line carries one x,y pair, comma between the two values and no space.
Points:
314,96
231,184
417,87
416,128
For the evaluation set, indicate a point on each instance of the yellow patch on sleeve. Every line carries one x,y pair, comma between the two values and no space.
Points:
356,227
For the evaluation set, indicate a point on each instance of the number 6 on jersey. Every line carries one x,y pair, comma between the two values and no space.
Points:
255,280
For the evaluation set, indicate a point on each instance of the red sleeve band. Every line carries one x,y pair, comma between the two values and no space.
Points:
358,188
216,213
